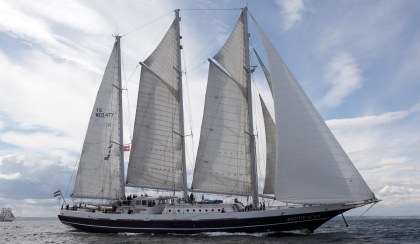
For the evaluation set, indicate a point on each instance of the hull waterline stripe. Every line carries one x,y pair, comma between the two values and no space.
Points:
142,228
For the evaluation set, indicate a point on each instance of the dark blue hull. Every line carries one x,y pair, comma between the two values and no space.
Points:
308,222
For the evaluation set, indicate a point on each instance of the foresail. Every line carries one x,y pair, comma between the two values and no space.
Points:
99,171
266,72
270,139
156,159
223,157
312,168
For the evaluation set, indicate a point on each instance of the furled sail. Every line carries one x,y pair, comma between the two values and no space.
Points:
156,155
312,168
223,163
270,139
99,171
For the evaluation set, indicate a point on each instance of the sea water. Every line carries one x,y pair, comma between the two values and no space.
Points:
360,230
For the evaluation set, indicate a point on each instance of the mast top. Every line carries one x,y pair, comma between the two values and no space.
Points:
117,37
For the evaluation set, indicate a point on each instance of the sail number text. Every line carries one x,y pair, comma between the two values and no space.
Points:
104,115
101,114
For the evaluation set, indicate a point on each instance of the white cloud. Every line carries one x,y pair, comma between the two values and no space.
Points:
43,142
31,25
11,176
2,124
62,12
344,76
368,120
46,95
31,207
373,120
292,12
221,31
384,148
38,175
408,193
13,21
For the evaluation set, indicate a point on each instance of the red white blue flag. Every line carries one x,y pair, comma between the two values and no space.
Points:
57,193
126,148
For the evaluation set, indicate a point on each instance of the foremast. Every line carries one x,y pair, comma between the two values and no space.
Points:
181,104
120,111
252,145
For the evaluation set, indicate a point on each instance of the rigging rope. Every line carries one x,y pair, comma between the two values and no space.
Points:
210,9
188,108
191,9
368,208
127,111
74,168
148,23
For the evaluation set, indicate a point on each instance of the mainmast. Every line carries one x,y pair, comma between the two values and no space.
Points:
120,112
181,104
254,175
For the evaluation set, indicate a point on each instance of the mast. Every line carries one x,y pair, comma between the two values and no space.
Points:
120,112
254,175
181,104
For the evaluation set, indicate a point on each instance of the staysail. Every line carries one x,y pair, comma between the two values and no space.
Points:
99,174
223,163
270,142
156,156
312,168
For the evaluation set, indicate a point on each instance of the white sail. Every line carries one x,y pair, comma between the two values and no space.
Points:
270,139
99,171
223,163
156,154
312,168
266,72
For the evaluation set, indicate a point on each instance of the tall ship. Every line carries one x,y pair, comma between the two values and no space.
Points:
309,179
6,215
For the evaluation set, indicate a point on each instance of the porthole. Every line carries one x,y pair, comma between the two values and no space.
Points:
188,210
206,210
212,210
170,210
199,210
193,210
178,210
218,209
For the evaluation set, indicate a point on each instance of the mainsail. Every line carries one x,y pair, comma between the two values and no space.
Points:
99,174
312,168
223,163
156,155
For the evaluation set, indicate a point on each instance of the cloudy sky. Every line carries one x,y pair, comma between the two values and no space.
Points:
359,62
